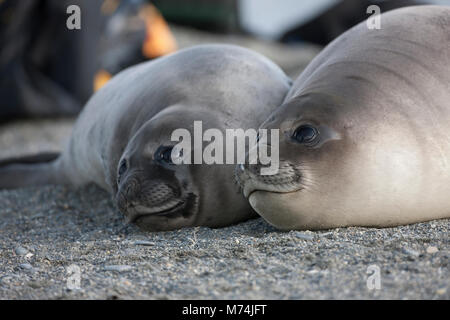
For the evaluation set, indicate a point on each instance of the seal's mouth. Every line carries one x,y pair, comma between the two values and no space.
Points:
173,206
155,199
287,180
169,207
180,207
252,186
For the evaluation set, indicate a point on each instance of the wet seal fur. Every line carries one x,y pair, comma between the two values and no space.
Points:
365,130
122,137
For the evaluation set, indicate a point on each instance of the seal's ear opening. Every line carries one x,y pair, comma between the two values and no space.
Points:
29,171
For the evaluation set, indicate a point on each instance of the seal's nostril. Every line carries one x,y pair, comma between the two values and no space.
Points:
123,167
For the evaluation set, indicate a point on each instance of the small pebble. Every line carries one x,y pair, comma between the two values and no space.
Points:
21,251
143,243
126,283
313,271
411,252
304,236
441,291
326,234
119,268
26,266
432,249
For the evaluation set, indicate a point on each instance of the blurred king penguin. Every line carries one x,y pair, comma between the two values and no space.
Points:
48,69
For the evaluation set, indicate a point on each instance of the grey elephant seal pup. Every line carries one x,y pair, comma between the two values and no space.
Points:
365,130
122,139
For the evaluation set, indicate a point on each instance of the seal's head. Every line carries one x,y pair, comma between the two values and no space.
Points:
158,194
310,148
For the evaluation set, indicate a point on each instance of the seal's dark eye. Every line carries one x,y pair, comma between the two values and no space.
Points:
305,134
164,154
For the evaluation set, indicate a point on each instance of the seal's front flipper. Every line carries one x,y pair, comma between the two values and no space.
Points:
35,170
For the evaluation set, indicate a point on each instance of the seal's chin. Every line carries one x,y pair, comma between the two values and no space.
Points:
279,209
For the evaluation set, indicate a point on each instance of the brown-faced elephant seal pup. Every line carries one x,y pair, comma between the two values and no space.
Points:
122,139
365,130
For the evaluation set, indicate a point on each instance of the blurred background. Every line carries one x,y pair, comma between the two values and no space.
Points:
48,70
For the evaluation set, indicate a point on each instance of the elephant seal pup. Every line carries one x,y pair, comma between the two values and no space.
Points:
365,130
122,139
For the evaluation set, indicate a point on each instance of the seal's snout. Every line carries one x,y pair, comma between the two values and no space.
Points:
250,179
136,198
